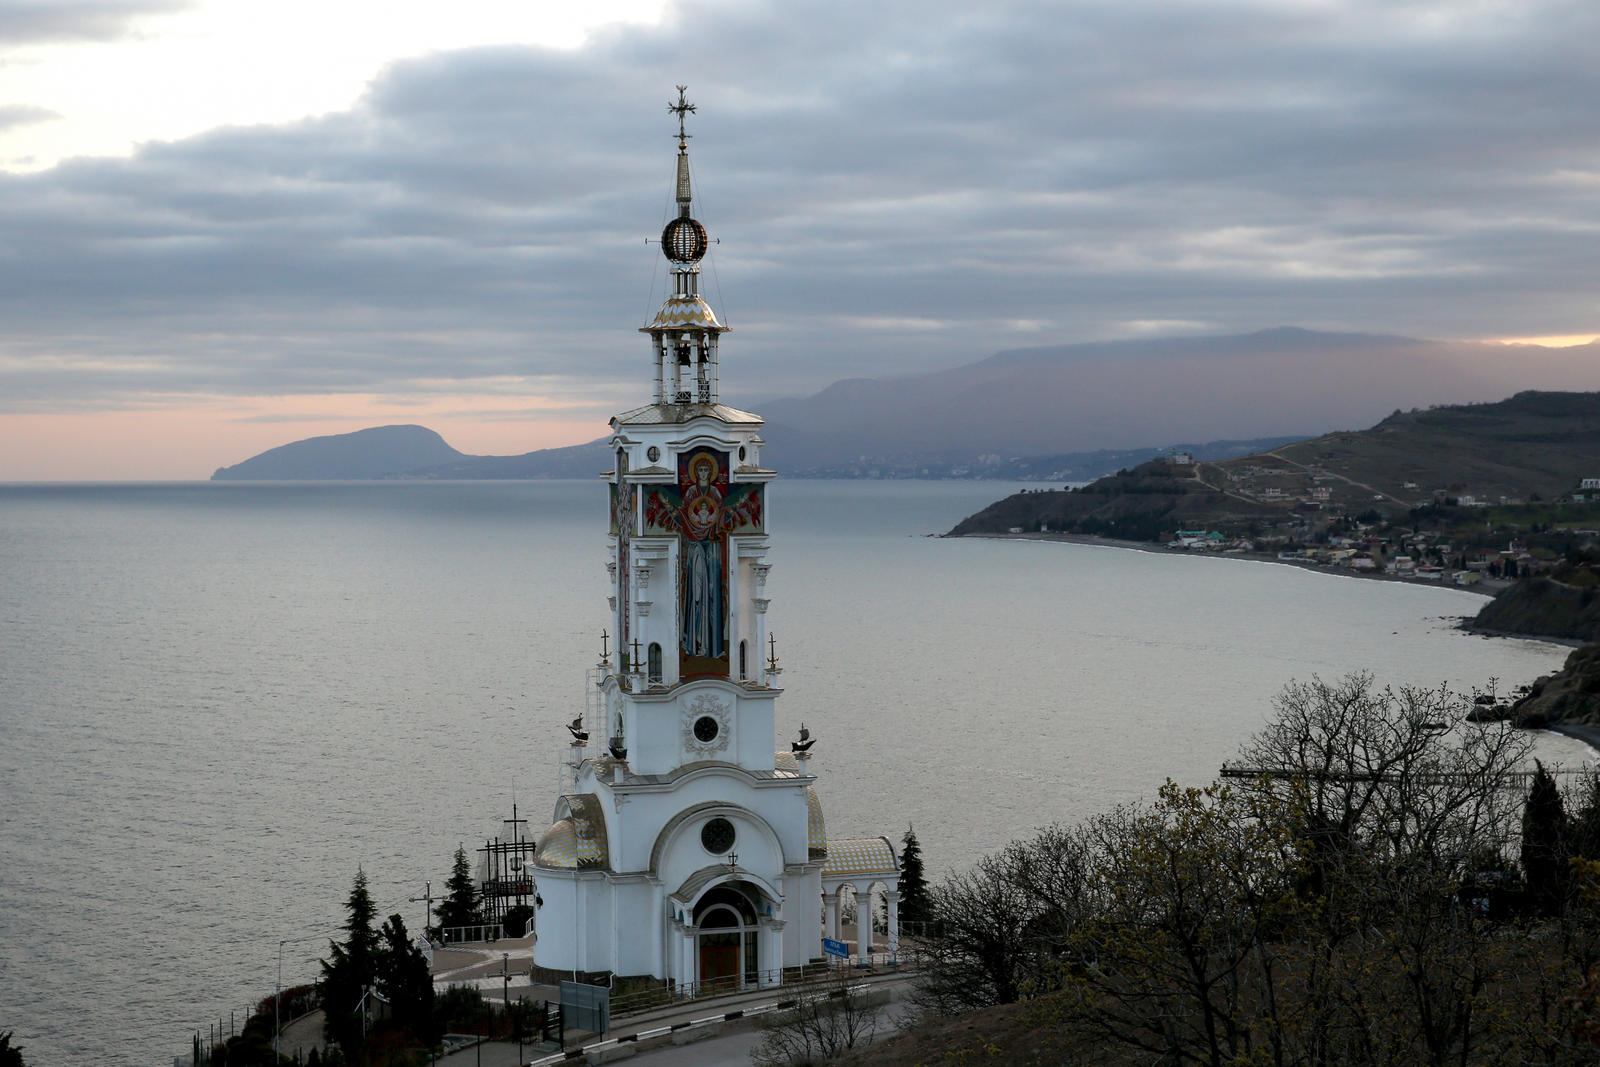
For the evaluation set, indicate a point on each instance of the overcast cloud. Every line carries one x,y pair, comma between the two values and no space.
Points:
896,187
34,21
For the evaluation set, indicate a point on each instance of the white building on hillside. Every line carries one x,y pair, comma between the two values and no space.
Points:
687,848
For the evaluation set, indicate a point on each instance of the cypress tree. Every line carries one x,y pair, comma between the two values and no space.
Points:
913,886
460,904
1544,844
349,970
404,979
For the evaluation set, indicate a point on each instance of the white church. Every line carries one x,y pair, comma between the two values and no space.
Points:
688,846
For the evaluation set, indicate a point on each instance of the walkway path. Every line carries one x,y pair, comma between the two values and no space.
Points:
466,964
711,1040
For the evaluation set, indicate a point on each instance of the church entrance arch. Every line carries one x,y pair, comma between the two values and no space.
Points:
726,933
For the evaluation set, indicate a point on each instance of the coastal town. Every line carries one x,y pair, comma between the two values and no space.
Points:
1452,496
1458,540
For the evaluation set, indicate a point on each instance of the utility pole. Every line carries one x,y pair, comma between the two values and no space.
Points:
427,915
277,1002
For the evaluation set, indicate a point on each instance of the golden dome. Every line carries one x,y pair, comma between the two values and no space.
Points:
577,837
558,846
816,833
685,312
861,855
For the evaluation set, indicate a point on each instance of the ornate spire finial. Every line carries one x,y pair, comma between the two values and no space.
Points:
682,109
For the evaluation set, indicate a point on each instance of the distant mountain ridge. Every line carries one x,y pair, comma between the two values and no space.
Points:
1047,412
412,452
377,452
383,452
1132,393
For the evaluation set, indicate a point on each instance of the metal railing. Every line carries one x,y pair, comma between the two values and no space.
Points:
665,996
462,935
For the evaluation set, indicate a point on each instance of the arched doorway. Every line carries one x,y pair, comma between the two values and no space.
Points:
726,936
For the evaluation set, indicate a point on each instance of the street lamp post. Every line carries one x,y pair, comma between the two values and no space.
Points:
277,999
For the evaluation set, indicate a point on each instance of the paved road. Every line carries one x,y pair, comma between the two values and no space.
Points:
727,1050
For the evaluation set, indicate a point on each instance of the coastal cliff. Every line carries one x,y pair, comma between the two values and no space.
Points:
1145,503
1570,697
1565,605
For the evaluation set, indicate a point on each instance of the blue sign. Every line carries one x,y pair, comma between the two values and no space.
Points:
835,948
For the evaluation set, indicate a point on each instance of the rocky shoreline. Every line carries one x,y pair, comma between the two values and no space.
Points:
1589,735
1489,588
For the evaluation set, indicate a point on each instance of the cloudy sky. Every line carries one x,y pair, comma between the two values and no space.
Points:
227,224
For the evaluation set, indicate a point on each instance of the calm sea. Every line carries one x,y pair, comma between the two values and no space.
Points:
217,700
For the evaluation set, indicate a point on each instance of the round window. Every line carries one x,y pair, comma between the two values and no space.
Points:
653,453
741,451
717,836
705,729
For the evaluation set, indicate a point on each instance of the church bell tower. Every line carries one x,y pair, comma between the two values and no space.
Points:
685,847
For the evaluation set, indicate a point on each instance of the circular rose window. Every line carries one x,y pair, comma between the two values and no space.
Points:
705,729
717,836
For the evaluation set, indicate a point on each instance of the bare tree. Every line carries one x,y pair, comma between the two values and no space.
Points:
995,931
1325,907
828,1020
1398,804
1396,772
1169,956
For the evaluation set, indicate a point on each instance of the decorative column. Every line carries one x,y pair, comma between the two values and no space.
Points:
759,602
711,358
863,923
831,899
661,371
686,960
770,955
892,898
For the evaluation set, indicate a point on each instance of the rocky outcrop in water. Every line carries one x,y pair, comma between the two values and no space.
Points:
1570,696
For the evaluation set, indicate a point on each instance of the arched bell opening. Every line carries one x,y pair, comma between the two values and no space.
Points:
727,936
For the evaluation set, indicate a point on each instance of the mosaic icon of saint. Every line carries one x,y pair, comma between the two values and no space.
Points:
703,520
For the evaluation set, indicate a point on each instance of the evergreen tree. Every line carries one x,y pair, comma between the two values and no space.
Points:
10,1055
350,970
362,942
1544,844
1584,827
403,978
913,886
460,904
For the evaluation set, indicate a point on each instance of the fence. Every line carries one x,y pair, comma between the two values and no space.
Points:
685,992
461,935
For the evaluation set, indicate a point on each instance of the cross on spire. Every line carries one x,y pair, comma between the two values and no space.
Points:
682,109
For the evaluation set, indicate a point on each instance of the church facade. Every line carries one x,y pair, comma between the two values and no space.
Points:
686,846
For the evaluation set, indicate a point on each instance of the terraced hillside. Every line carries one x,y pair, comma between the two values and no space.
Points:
1533,446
